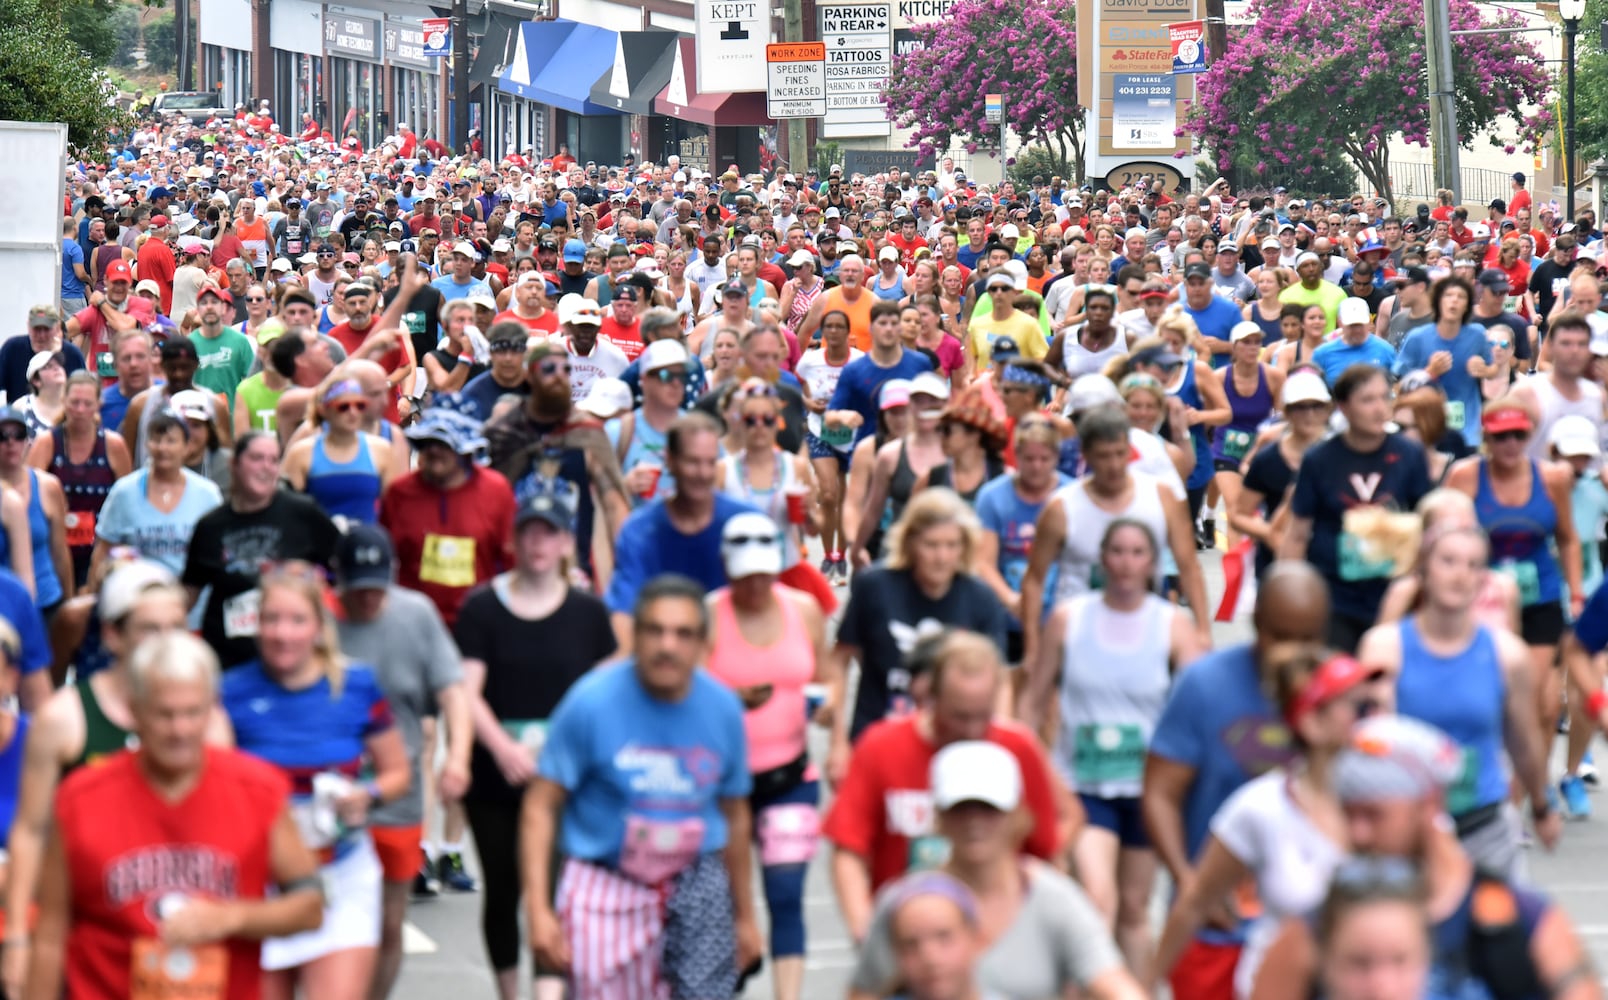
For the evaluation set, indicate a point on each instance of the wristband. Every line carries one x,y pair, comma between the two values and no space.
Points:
374,794
1596,702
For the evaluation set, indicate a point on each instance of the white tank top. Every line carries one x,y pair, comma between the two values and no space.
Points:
1079,360
1108,715
1554,407
1086,524
771,502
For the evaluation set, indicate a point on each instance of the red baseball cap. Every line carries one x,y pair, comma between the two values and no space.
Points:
159,220
1512,418
1333,678
211,289
118,270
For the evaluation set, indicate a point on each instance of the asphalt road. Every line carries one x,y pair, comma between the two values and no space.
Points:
445,956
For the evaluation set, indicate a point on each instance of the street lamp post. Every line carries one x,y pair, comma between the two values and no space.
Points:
1571,11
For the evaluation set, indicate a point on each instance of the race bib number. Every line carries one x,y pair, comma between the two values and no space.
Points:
1236,444
1097,577
414,322
1105,754
105,364
529,733
1527,576
1461,797
162,972
1356,562
240,615
837,437
788,834
448,561
80,528
656,850
1455,414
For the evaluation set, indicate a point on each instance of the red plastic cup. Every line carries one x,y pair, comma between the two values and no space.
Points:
653,481
795,505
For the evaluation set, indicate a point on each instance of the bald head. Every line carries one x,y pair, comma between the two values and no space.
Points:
1292,605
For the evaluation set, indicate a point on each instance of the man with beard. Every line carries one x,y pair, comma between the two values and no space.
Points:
508,342
852,297
546,439
591,356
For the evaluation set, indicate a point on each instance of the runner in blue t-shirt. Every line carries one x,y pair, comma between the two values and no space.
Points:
1455,353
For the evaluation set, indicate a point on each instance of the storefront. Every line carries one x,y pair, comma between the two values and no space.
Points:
593,131
413,93
224,31
643,62
352,48
296,33
708,131
495,54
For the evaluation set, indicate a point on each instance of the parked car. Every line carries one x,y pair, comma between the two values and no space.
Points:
197,105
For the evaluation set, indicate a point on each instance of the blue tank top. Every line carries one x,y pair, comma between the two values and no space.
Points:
1521,538
345,489
11,772
1189,394
1464,695
647,445
1233,440
893,294
47,585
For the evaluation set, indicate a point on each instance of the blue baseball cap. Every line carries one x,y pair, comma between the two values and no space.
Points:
574,252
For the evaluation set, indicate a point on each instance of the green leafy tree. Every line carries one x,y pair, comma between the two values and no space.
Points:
45,76
1591,88
91,23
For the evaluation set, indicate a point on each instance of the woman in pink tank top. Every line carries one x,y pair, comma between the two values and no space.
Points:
765,644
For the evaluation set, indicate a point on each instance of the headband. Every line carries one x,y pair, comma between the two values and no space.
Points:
1025,376
344,387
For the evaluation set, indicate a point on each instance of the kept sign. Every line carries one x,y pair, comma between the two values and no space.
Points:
795,80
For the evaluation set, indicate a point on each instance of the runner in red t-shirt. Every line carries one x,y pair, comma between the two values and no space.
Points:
172,898
621,326
529,306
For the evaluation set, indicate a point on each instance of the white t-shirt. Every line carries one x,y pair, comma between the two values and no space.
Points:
1152,458
1291,859
605,361
822,380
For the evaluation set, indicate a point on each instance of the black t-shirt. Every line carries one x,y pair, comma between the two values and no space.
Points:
885,615
568,283
1518,330
790,436
1548,281
1270,475
228,551
422,320
518,687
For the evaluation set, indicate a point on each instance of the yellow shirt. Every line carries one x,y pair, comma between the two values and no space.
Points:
1019,326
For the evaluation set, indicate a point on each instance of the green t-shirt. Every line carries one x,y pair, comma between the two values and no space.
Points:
261,402
225,360
1327,294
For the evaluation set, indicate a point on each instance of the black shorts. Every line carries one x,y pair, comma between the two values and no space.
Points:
1542,624
1225,464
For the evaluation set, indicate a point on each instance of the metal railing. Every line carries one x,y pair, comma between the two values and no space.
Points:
1416,181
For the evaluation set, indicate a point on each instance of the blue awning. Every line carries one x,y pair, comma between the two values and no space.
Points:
538,42
566,81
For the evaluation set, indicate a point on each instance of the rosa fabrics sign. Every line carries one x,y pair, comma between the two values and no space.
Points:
1126,80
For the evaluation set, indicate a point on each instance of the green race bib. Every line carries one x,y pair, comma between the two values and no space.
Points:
1454,415
1527,576
1105,754
1236,444
531,733
1097,577
836,437
104,366
1355,563
928,852
1460,797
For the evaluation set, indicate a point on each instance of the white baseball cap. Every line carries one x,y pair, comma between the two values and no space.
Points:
1092,390
1353,310
750,543
1575,435
929,384
576,308
1243,329
663,354
976,771
607,398
122,588
801,257
888,253
1305,387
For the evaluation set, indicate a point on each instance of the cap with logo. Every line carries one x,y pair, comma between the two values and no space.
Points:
750,545
364,557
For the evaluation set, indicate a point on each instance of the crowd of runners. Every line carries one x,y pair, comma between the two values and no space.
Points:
358,504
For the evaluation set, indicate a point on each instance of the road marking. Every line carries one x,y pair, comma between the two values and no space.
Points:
417,942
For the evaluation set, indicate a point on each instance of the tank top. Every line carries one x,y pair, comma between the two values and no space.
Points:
777,729
86,485
1464,694
122,870
1272,331
858,311
803,298
900,485
1107,716
1189,394
47,585
647,445
1078,566
1079,360
772,501
943,475
345,489
261,402
102,736
893,294
1521,538
1554,407
1233,440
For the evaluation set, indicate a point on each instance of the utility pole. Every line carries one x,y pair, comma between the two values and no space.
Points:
1442,97
1216,30
460,76
793,31
1571,11
181,28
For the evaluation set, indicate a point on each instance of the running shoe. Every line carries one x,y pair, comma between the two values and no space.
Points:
1576,804
828,566
425,883
449,868
1588,771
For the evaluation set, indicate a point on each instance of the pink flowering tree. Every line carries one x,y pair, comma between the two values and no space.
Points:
1023,49
1311,78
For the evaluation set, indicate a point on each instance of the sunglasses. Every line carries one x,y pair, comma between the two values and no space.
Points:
256,298
669,374
550,368
349,407
1511,436
326,253
757,420
738,541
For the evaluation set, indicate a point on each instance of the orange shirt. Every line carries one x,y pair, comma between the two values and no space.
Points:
859,313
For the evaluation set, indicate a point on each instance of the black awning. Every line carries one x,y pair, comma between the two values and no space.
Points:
647,58
495,48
